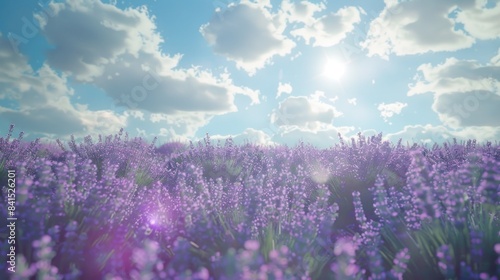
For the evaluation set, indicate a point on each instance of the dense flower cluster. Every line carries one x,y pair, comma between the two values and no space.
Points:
121,208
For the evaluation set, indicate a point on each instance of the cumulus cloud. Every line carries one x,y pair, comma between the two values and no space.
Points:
292,135
119,51
479,108
455,75
421,134
303,112
283,88
496,59
352,101
87,36
249,135
322,138
42,101
248,34
183,125
415,27
480,21
466,93
328,30
319,95
480,133
135,114
387,111
13,65
431,134
301,12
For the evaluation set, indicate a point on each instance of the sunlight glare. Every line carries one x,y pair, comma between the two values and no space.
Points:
319,173
334,69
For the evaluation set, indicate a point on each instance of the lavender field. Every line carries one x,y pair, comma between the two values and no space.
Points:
121,208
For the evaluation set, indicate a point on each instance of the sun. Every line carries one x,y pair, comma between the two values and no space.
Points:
334,69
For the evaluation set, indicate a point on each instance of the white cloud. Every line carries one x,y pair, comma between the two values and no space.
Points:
89,35
119,51
480,21
387,111
455,75
42,101
301,12
317,95
248,34
249,135
330,29
420,134
322,138
415,27
439,134
182,125
478,108
305,113
283,88
135,114
496,59
480,133
466,93
352,101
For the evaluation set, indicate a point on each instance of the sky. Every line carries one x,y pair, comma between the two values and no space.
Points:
259,71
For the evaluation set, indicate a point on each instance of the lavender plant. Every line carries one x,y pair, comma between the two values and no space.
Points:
120,208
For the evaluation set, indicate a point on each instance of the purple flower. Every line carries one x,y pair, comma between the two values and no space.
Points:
400,264
446,261
345,267
252,245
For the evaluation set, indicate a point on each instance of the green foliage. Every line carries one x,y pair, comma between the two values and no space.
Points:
227,169
142,178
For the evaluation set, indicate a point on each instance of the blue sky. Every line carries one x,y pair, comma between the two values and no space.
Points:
257,70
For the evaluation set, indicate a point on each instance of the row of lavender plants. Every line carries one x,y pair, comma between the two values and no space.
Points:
121,208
